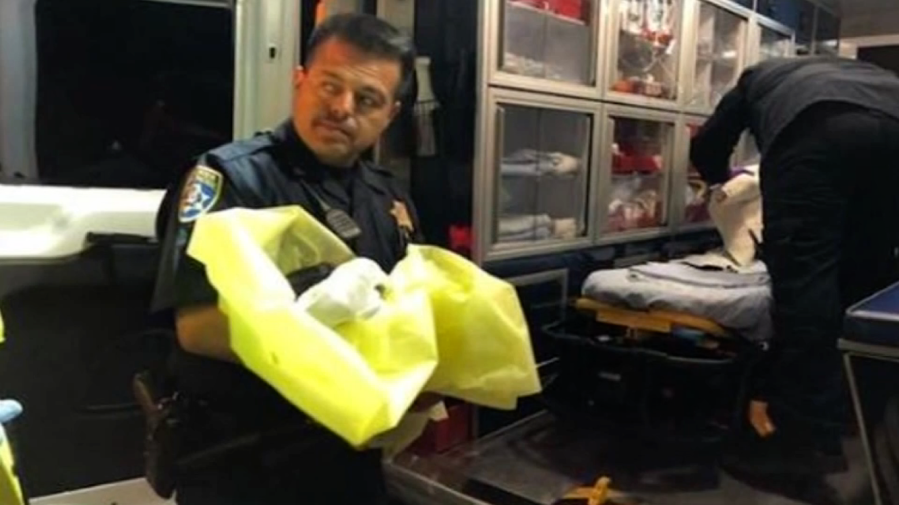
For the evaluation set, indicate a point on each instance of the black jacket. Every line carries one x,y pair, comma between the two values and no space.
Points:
270,170
770,95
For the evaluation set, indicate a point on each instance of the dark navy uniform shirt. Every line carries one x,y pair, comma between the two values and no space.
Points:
770,95
270,170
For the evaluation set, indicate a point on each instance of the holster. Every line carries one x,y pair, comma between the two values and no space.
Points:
170,454
164,434
167,455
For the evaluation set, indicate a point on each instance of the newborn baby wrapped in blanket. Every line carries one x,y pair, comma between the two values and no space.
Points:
728,286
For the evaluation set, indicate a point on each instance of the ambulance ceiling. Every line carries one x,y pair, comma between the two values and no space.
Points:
864,7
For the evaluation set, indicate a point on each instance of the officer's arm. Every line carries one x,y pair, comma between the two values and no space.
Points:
200,326
713,146
204,330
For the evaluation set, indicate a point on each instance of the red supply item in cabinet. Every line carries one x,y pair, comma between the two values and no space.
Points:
616,163
574,9
460,239
646,164
538,4
441,436
625,166
623,86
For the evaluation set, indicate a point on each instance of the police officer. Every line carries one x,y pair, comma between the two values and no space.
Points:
828,131
357,70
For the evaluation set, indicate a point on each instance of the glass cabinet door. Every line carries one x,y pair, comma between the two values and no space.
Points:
775,44
549,39
797,15
647,62
639,183
542,174
696,193
720,48
827,33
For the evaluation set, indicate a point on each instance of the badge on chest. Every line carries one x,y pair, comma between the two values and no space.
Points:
401,214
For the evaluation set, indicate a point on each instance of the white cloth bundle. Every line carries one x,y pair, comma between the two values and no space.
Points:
736,210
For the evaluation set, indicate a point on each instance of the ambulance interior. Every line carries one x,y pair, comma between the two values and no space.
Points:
546,141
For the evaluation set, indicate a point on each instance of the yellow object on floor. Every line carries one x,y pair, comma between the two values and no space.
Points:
445,326
596,495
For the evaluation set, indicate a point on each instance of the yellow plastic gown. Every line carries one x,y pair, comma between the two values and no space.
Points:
10,489
447,326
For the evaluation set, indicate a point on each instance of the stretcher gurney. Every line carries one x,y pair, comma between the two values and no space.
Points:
684,294
720,292
683,332
684,373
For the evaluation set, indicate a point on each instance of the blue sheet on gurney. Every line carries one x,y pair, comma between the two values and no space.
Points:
738,301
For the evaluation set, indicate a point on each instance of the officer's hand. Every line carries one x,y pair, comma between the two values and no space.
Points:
352,291
758,417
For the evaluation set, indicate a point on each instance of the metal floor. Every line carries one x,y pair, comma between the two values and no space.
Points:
540,460
131,492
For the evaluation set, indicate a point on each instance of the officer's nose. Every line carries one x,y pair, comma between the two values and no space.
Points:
342,105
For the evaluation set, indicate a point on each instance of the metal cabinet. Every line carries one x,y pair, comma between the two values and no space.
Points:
643,48
586,109
635,172
691,194
544,45
537,174
772,40
827,32
798,15
719,40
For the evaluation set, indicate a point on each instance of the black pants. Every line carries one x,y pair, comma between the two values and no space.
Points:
329,477
316,469
830,188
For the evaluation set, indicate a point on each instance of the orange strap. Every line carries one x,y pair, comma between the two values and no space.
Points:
659,321
596,495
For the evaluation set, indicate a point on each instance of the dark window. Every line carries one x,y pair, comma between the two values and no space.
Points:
128,92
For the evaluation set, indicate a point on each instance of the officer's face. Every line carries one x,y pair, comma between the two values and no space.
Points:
344,101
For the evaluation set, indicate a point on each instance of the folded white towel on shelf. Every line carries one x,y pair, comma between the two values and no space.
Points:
531,163
515,225
565,229
523,65
542,233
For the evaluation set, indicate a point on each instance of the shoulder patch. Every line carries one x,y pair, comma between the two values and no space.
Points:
201,192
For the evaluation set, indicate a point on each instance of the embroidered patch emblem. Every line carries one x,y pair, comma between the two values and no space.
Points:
201,192
401,214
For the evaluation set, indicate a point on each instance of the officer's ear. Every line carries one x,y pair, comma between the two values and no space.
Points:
395,109
299,75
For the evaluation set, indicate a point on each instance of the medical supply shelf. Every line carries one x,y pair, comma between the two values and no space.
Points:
585,112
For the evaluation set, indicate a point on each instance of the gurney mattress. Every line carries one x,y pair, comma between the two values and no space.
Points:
737,301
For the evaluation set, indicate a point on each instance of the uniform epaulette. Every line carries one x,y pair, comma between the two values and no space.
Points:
242,148
378,168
